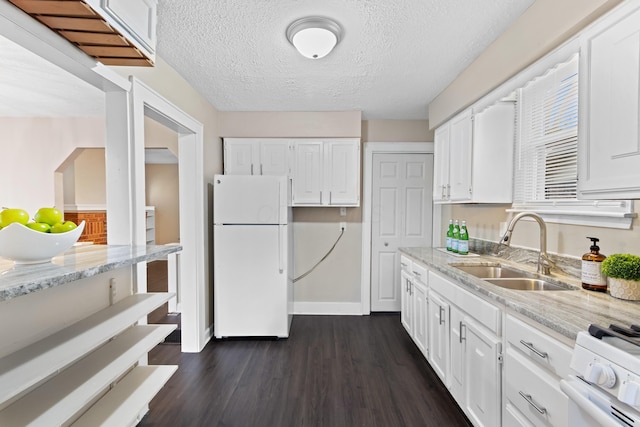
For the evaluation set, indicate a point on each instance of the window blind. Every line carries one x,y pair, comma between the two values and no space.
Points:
546,152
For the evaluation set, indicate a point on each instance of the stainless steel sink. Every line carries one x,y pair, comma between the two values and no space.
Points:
509,278
489,272
526,284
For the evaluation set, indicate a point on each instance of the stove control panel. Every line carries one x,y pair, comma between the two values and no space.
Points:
629,392
601,374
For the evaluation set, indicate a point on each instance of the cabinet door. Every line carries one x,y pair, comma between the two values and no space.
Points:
439,336
482,378
441,164
137,17
274,157
342,175
493,142
307,178
460,147
609,133
420,317
406,303
239,157
458,347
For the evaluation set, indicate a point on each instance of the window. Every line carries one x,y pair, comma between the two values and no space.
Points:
546,153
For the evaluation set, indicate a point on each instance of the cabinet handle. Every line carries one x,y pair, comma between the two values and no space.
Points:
403,264
320,196
448,191
416,273
260,168
530,401
251,168
441,321
531,347
443,192
330,197
462,337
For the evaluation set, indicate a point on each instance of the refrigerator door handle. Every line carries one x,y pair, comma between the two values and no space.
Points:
281,247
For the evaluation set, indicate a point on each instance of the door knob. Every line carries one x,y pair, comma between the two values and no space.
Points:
386,243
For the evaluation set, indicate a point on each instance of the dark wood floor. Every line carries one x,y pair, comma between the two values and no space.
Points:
332,371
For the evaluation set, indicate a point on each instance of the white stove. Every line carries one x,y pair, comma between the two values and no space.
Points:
605,387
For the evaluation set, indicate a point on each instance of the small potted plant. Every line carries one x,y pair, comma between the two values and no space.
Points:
623,271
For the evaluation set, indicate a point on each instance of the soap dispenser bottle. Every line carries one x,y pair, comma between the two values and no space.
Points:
592,278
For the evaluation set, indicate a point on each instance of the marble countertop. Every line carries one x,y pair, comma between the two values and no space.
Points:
566,312
77,263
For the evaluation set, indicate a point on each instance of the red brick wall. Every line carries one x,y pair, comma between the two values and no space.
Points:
95,228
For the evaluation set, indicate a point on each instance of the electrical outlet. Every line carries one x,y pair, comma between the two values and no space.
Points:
112,291
343,226
343,211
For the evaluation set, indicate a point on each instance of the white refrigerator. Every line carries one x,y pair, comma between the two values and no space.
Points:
253,264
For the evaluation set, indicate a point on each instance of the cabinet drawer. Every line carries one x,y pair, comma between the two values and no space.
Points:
484,312
405,264
535,393
539,347
419,272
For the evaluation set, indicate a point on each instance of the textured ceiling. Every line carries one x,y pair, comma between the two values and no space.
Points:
394,58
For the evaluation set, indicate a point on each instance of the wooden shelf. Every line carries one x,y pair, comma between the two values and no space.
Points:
27,367
79,23
65,395
123,403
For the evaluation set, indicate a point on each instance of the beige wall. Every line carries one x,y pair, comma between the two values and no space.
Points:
541,28
396,131
90,182
162,192
34,149
334,124
483,222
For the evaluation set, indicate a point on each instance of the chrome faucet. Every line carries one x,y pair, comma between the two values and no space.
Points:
544,263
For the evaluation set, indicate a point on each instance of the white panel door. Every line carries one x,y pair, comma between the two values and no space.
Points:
401,213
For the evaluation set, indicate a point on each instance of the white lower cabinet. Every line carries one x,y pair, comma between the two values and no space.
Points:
439,350
534,364
414,303
501,370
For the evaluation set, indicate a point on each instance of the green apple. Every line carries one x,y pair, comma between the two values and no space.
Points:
39,226
50,216
9,216
63,227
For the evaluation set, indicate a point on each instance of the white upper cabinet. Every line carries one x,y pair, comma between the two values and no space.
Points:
609,126
134,19
307,173
441,187
460,146
248,156
474,157
326,173
342,161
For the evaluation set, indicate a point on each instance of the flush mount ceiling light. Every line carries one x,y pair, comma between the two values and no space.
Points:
314,36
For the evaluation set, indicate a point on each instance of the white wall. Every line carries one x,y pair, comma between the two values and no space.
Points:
33,149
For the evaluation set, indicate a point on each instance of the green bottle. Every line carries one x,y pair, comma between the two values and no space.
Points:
450,235
463,240
455,237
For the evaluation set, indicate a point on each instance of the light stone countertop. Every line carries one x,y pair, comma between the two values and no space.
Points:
77,263
566,312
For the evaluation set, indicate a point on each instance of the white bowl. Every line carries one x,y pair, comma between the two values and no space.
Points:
23,245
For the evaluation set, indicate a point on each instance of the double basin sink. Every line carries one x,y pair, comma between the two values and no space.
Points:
509,278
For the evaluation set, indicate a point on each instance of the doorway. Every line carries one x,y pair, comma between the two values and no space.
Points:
397,212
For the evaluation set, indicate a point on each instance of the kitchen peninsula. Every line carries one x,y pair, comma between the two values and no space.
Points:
73,339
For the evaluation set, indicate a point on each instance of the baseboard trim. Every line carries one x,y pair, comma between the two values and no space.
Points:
327,308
